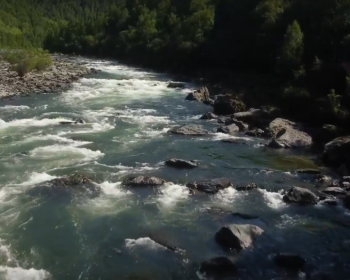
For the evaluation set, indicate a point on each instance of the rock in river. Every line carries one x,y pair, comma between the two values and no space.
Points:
289,261
180,163
142,181
229,129
286,135
76,185
300,196
209,116
226,105
176,85
237,237
201,95
248,187
220,266
241,125
211,186
335,191
190,129
255,133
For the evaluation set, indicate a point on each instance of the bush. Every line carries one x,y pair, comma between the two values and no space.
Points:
25,61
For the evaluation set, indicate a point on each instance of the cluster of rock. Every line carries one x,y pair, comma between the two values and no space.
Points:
57,77
231,113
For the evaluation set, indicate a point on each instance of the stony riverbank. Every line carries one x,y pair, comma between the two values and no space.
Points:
59,76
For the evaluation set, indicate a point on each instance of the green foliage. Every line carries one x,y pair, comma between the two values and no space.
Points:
335,102
25,61
293,46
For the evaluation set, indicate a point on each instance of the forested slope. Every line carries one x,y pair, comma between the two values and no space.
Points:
303,43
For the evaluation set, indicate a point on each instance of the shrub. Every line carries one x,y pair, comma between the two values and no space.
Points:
25,61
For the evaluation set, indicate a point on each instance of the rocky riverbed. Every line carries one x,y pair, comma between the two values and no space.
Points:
58,77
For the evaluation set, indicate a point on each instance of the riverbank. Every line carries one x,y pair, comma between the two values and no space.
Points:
57,77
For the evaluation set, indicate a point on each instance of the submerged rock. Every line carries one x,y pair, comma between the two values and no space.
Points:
226,105
209,116
180,163
210,186
300,196
220,266
245,216
286,135
335,191
176,85
237,237
255,133
159,239
248,187
234,141
76,185
330,201
309,171
229,129
142,181
190,129
289,261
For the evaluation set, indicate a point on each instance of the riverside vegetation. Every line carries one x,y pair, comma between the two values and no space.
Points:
284,52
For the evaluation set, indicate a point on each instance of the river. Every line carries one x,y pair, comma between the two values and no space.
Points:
128,112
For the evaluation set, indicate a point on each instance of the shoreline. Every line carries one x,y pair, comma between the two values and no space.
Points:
61,75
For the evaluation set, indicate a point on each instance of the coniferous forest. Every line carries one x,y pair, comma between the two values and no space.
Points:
300,45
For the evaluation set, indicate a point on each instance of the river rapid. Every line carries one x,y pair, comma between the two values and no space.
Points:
128,113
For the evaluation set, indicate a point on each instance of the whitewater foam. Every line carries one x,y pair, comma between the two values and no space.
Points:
63,152
18,273
14,108
114,189
226,196
273,199
55,138
171,194
31,122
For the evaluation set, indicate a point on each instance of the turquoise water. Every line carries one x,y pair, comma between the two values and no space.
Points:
128,112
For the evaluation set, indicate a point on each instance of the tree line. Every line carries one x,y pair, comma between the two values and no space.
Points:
300,45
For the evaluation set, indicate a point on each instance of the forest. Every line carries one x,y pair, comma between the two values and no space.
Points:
294,52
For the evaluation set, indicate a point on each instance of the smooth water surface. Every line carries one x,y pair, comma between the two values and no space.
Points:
128,113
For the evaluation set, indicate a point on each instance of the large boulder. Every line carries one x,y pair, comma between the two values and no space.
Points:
226,105
289,261
237,237
335,191
201,95
286,135
337,152
210,186
218,267
67,187
300,196
253,117
190,129
142,181
241,125
180,163
228,129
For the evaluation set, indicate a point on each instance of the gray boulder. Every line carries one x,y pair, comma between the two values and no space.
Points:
180,163
241,125
226,105
210,186
229,129
67,188
300,196
248,187
190,129
142,181
237,237
285,135
201,95
335,191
